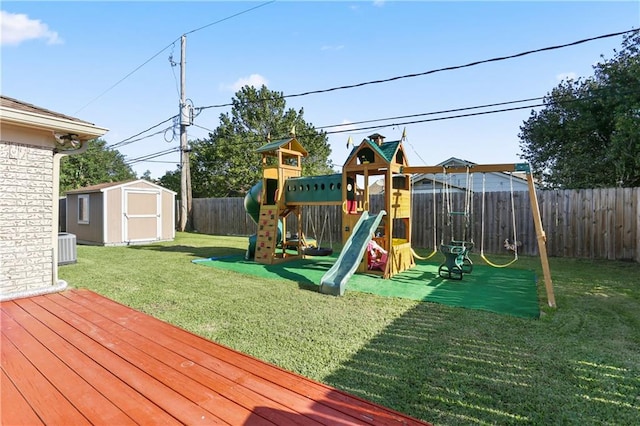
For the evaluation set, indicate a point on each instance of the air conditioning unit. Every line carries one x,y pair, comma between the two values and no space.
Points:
66,248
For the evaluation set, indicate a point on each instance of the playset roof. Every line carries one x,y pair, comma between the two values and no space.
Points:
293,143
386,150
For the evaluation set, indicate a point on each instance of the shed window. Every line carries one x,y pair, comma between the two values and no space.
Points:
83,209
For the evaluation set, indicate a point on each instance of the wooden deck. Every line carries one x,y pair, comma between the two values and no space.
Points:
79,358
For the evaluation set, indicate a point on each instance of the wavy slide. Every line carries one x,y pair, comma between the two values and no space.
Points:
335,279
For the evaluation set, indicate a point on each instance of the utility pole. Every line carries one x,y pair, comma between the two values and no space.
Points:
185,120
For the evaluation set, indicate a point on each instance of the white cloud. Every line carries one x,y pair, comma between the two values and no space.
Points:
255,80
16,28
567,76
378,3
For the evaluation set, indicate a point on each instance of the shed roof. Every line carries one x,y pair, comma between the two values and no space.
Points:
106,186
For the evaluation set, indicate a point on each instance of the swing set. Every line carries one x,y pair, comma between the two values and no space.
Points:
456,250
456,246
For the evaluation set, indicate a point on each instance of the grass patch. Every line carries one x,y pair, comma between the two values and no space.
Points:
579,364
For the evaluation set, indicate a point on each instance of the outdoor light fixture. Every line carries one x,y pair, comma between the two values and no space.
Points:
68,141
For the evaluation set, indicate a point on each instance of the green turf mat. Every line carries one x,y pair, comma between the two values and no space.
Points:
501,290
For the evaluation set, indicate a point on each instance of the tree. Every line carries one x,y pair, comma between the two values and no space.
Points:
171,180
226,164
588,134
98,164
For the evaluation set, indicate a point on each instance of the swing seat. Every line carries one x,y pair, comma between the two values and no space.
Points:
317,251
467,264
294,242
456,262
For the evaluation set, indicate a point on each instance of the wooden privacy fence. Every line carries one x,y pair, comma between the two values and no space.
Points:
588,223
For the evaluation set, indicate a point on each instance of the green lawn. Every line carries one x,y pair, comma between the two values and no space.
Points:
579,364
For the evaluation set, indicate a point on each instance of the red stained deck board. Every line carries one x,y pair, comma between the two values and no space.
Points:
189,361
79,358
129,369
317,394
263,391
15,409
47,402
118,392
173,369
91,403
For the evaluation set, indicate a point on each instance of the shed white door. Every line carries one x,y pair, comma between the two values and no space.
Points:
142,218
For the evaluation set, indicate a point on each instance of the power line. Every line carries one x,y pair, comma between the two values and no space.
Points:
161,162
144,137
362,129
152,156
431,113
451,117
383,126
436,119
437,70
203,128
125,77
127,140
550,101
230,17
165,48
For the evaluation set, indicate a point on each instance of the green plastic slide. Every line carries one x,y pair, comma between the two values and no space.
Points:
335,279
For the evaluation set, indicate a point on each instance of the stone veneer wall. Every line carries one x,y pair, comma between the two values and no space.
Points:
26,218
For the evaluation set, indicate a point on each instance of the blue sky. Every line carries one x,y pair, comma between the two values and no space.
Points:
66,56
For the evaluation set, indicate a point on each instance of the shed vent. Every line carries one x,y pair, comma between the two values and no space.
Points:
66,248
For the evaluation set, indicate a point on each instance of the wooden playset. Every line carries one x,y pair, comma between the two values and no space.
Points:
284,191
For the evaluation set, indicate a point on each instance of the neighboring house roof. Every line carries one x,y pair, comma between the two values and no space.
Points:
23,114
106,186
377,187
453,161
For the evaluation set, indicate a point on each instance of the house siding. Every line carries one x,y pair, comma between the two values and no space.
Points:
85,232
26,217
458,183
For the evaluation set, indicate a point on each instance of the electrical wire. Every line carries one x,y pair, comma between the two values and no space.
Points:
173,70
143,137
152,155
165,48
450,117
125,77
200,109
203,128
446,111
437,70
230,17
126,141
435,119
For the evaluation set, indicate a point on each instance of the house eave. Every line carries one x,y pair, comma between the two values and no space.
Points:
85,131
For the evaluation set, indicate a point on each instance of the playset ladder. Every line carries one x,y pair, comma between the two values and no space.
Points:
267,234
